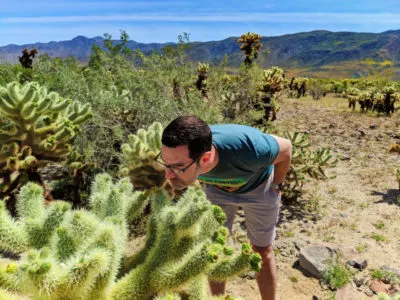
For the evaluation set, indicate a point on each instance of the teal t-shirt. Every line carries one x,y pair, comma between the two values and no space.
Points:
245,157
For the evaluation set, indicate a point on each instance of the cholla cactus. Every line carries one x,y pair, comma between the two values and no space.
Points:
201,83
305,164
75,254
273,80
272,83
138,158
250,45
179,249
35,127
352,95
398,177
298,87
365,100
389,99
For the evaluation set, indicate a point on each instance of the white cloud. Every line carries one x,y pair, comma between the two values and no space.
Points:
62,6
305,18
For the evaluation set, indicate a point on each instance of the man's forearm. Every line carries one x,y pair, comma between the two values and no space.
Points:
280,171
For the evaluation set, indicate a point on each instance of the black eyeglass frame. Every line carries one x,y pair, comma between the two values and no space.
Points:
176,170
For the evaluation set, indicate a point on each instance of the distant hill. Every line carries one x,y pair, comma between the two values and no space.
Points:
315,53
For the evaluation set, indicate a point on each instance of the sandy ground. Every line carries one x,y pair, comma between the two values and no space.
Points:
343,210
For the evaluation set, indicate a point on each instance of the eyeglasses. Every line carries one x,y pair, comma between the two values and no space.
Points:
176,170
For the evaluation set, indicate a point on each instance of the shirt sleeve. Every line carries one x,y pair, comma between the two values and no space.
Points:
267,148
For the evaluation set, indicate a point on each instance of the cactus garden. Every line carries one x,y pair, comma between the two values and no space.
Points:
86,212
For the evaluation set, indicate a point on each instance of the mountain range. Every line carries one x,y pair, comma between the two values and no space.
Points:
317,53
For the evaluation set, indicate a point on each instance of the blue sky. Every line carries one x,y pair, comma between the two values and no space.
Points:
24,22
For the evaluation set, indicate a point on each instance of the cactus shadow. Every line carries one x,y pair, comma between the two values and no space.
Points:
392,196
295,210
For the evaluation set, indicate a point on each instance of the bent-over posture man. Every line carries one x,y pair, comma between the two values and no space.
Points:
238,166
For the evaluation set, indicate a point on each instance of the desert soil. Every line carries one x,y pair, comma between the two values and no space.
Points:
341,212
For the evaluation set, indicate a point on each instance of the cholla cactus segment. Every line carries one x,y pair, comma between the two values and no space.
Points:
44,121
138,158
273,80
202,68
229,267
13,237
35,224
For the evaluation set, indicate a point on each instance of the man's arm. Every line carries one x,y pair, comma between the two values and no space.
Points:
282,161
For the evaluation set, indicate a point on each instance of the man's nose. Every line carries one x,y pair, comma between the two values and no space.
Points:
169,174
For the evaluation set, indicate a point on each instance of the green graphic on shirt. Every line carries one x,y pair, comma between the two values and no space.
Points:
225,182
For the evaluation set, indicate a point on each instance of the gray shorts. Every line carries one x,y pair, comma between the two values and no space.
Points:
261,209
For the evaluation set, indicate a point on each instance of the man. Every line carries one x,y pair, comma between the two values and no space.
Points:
239,166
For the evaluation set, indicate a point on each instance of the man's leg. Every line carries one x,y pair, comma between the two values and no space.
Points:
261,212
217,288
266,278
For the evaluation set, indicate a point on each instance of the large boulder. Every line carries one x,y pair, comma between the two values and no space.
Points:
315,259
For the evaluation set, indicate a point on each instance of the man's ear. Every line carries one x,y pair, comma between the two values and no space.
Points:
205,158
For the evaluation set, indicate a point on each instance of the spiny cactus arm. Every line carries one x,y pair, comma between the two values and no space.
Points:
129,263
211,222
136,204
231,267
58,104
191,207
13,237
76,231
30,202
42,275
198,289
111,239
100,190
41,230
7,277
146,176
81,113
114,206
64,244
174,274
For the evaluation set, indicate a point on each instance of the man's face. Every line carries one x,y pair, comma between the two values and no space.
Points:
178,159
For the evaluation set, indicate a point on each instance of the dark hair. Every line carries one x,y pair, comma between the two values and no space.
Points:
190,131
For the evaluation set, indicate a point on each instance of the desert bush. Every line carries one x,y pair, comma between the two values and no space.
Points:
336,275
